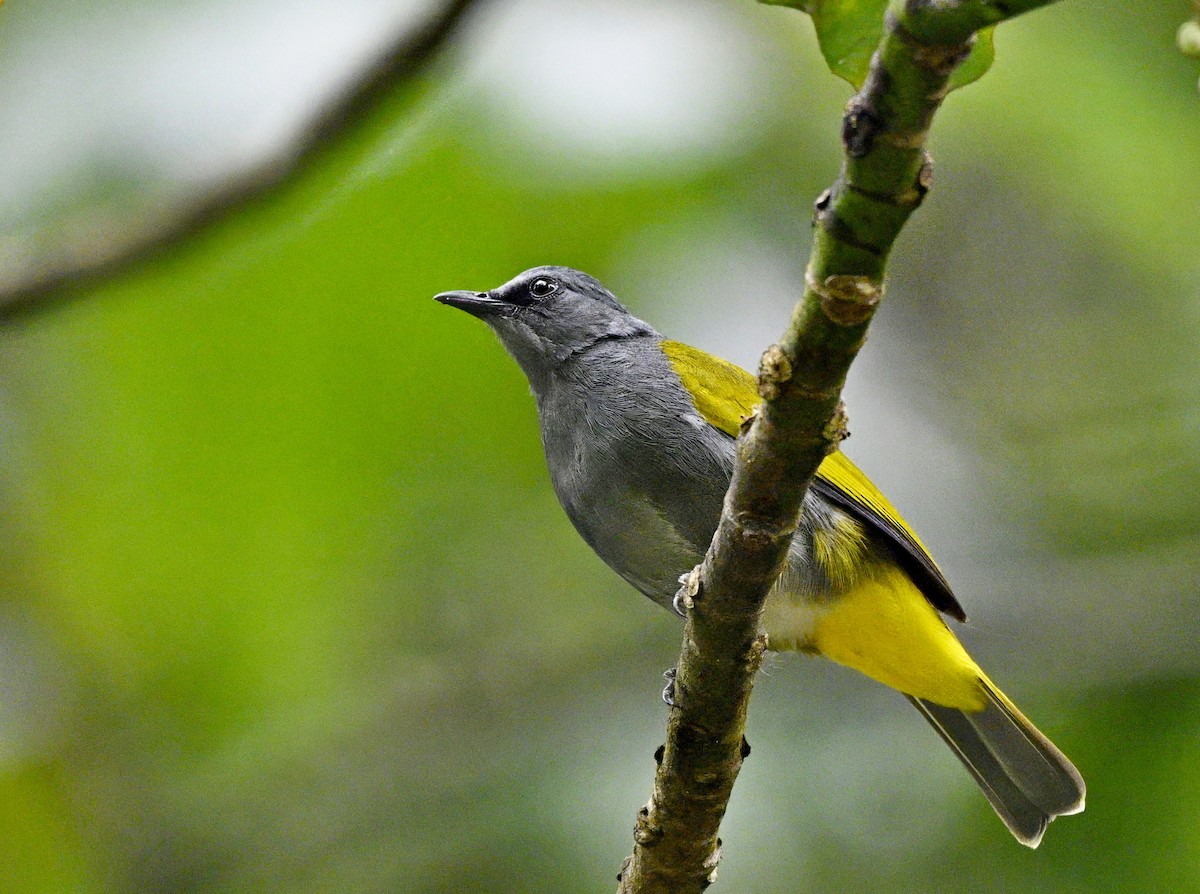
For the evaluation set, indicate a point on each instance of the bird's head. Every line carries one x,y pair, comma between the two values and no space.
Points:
547,315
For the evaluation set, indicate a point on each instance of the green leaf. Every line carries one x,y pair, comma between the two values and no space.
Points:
849,31
977,64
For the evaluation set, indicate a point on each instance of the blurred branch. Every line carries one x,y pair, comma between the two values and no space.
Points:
86,257
885,174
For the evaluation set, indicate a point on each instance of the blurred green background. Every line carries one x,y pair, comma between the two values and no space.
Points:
286,601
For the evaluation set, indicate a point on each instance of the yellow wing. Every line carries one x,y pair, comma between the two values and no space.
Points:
726,394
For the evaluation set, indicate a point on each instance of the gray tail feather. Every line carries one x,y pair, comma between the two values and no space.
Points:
1027,780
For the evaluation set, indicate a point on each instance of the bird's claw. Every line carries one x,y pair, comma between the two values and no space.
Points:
681,603
685,597
668,693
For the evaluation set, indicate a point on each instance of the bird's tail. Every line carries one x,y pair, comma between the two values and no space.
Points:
1027,780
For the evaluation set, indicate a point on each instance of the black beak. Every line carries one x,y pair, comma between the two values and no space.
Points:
479,304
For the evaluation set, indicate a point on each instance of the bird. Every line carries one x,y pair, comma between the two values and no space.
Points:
638,432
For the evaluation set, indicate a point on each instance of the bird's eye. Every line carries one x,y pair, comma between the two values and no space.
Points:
540,288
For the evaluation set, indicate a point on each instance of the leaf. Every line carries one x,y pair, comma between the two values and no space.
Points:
849,31
977,64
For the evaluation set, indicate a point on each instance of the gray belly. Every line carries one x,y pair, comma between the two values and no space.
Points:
634,538
648,513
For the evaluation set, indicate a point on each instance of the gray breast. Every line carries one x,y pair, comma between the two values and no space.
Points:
640,475
643,477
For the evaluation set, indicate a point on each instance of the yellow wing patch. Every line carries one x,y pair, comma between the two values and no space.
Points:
850,480
847,487
725,394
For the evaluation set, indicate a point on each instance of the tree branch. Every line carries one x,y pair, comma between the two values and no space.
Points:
885,175
87,258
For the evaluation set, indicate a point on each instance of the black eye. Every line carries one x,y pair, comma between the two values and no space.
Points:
540,288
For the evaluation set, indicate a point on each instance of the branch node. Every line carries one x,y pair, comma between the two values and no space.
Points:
761,530
942,59
774,372
847,299
748,421
925,175
710,864
646,832
836,429
624,868
939,59
861,123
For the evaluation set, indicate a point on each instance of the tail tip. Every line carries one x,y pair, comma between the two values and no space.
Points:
1032,837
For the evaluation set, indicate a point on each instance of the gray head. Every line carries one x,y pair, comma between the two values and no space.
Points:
547,315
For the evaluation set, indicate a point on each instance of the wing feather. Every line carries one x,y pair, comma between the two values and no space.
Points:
725,395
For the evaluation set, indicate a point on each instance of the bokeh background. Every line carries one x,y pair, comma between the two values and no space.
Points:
286,601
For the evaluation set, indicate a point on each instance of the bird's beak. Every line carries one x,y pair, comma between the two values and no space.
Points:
479,304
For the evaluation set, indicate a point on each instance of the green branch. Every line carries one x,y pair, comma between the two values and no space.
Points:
885,175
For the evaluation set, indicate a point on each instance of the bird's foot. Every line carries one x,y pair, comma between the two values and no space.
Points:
668,693
689,590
